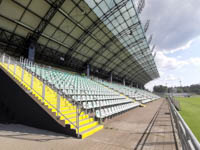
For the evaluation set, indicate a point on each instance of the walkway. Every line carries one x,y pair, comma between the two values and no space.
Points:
142,128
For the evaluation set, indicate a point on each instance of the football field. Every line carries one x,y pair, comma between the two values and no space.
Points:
190,111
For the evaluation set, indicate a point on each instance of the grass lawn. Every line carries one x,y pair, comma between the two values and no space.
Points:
190,111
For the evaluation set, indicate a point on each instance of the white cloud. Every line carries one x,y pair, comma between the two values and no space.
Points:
171,77
195,61
186,46
175,29
164,62
165,80
174,23
161,73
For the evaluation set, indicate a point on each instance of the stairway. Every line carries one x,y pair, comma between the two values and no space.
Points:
62,109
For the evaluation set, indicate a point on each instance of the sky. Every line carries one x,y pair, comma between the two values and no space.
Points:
175,25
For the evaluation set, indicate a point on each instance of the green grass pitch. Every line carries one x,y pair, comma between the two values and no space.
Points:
190,111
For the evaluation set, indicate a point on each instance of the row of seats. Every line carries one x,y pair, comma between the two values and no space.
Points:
89,93
134,93
93,94
95,97
103,113
96,104
82,125
101,99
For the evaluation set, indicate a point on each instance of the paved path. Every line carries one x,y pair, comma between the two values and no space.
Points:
141,128
160,133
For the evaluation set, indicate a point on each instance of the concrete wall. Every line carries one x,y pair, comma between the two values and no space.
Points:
24,109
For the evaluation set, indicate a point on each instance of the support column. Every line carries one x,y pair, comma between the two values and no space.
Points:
88,70
31,52
131,84
3,59
124,81
111,77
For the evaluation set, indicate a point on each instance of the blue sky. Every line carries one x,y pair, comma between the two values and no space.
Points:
175,25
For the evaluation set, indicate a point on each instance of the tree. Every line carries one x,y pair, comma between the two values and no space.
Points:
195,88
160,89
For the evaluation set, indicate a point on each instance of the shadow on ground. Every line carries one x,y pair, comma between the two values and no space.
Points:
160,131
21,132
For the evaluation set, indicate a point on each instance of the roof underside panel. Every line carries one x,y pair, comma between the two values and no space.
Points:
107,34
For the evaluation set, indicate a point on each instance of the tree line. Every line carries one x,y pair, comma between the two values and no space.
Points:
195,88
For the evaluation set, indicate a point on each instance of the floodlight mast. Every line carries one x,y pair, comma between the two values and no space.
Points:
146,26
154,46
141,5
150,39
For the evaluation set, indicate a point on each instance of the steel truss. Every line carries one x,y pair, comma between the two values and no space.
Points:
109,43
8,39
15,44
50,56
55,5
115,56
95,25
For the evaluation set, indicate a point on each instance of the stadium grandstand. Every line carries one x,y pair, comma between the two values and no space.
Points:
69,65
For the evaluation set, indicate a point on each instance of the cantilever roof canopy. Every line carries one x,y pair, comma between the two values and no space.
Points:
106,34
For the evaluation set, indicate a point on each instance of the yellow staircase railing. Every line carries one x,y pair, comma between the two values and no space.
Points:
71,114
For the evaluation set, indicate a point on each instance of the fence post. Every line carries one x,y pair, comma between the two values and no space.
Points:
87,107
43,92
15,68
93,110
32,78
77,118
22,74
3,58
8,62
35,69
100,111
25,62
58,103
22,62
188,140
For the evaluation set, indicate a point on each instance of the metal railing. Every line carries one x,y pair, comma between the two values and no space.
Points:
79,103
59,90
8,60
187,138
38,72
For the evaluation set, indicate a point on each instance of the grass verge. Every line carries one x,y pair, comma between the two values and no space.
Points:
190,111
